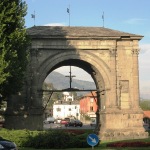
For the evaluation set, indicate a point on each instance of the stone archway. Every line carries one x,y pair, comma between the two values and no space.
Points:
109,56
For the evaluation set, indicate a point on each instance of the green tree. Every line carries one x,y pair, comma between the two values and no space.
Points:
145,104
13,46
55,95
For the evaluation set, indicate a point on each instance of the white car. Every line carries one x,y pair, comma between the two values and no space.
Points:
58,120
50,120
93,122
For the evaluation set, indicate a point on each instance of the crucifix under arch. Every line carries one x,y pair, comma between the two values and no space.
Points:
70,77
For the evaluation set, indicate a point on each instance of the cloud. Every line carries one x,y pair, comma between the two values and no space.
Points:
144,70
134,21
144,59
144,48
55,24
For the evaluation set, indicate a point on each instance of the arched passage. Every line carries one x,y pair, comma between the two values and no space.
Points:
90,63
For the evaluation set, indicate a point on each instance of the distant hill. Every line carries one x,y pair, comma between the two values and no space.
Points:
60,82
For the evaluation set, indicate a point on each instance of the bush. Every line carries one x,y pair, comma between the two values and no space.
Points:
18,136
57,139
49,139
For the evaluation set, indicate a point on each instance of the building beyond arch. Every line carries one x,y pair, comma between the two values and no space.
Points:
109,56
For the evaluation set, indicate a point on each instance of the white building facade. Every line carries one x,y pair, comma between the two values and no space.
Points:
67,107
63,109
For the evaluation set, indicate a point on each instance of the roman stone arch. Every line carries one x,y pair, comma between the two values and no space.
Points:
109,56
90,60
87,57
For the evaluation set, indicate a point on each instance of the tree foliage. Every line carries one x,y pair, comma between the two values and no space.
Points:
13,46
145,104
55,95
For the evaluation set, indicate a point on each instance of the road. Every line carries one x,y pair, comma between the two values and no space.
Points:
59,126
85,126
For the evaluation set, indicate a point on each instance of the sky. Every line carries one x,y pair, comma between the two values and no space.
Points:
132,16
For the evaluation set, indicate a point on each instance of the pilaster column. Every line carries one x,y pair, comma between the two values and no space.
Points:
33,72
136,97
98,119
113,77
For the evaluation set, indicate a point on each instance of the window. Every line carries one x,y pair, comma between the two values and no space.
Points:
69,109
58,109
91,100
69,99
91,108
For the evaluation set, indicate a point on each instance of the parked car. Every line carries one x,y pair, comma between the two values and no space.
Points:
65,121
49,120
74,123
7,145
58,120
93,122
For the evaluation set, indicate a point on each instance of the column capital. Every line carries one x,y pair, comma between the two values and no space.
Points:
135,51
113,52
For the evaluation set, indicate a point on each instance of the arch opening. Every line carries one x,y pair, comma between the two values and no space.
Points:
91,71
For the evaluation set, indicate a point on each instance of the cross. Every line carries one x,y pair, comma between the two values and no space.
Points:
70,76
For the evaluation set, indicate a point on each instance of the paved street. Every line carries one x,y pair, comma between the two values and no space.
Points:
58,126
85,126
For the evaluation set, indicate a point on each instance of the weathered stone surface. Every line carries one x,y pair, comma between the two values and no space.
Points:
109,56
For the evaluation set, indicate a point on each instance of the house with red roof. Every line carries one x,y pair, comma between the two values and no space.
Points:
88,104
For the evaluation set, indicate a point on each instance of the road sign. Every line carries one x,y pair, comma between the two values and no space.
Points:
92,139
